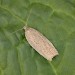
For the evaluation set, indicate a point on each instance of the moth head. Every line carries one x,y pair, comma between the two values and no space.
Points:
26,28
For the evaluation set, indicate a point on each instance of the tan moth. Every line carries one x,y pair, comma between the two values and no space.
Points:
40,43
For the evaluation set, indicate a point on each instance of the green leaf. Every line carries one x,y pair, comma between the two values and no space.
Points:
53,18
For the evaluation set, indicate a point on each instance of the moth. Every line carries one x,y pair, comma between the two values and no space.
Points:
40,43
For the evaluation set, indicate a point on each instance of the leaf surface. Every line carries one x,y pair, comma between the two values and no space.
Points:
53,18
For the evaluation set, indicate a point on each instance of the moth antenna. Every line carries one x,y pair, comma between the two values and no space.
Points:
25,27
17,30
28,16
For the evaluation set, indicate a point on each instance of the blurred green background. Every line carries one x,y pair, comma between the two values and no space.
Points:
53,18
